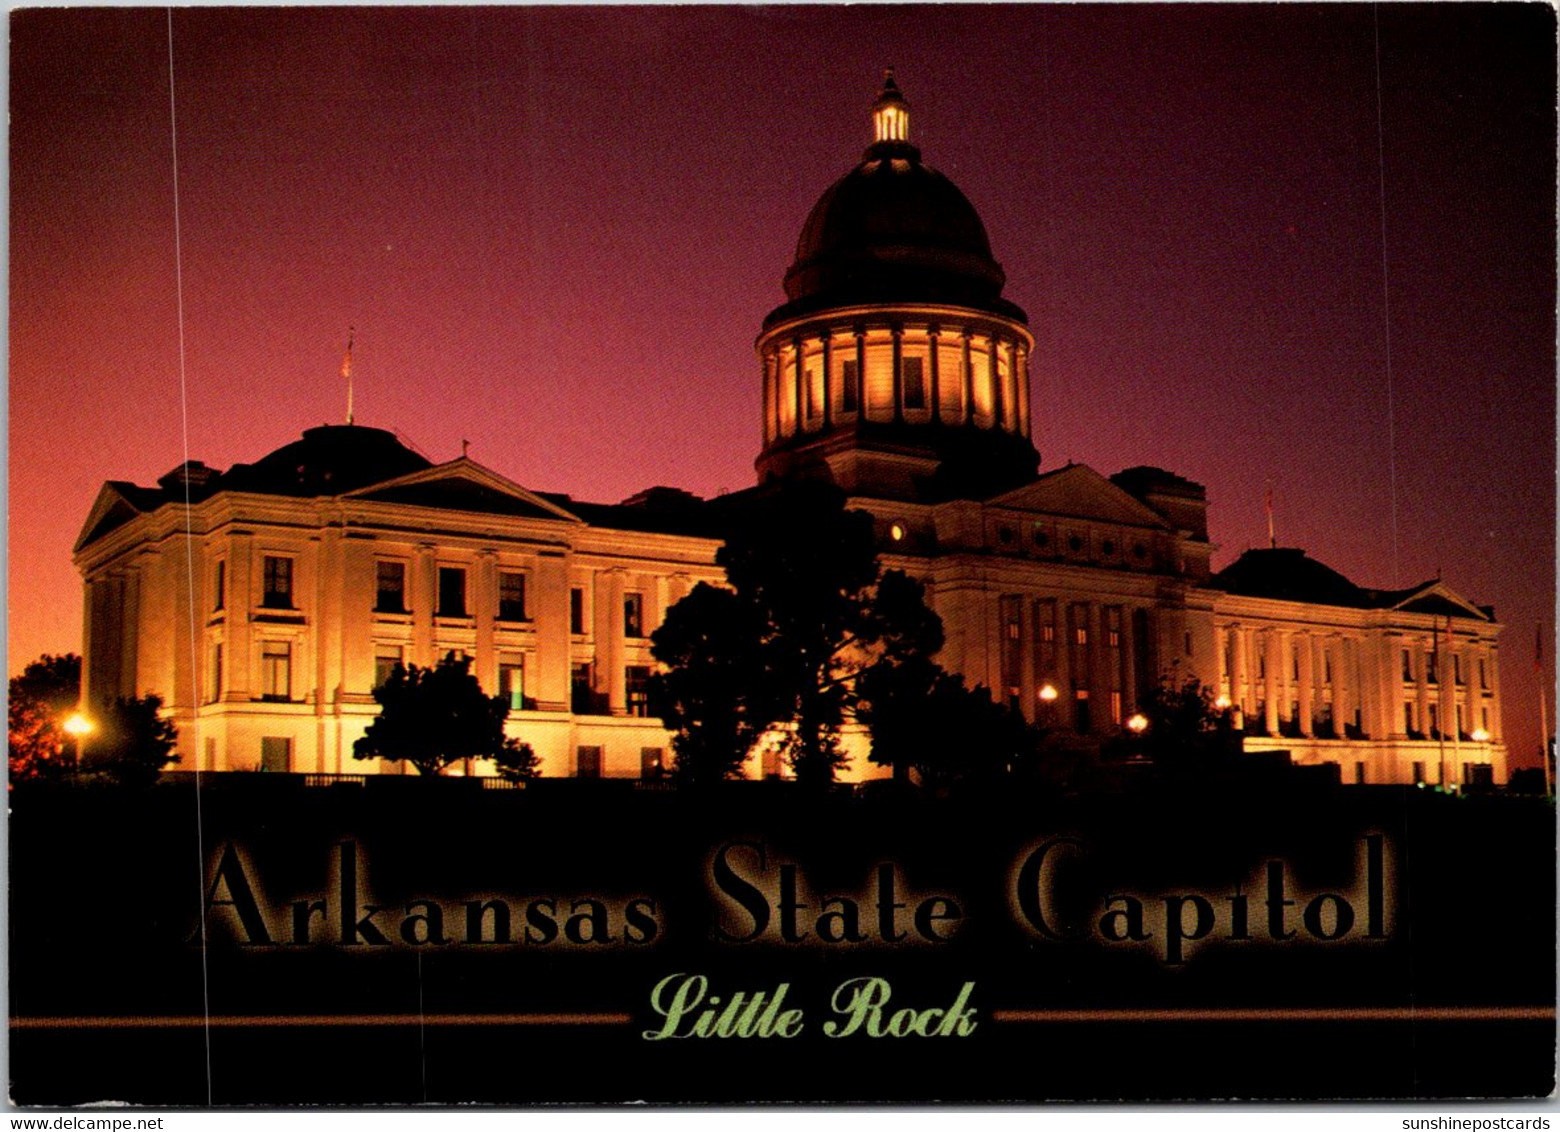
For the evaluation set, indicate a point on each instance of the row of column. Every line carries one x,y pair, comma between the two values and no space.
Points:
1366,678
799,398
1068,646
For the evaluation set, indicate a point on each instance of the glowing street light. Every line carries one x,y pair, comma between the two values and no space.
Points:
1222,703
1480,735
78,726
1048,693
1137,724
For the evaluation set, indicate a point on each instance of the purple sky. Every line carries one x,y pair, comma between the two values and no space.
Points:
557,231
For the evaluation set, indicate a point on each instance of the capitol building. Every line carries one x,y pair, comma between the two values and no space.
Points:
894,368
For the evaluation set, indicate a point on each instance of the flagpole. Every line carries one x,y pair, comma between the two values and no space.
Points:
346,371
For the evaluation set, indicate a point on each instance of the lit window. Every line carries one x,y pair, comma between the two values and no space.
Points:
652,763
276,670
637,680
511,679
278,592
452,591
511,596
390,587
633,615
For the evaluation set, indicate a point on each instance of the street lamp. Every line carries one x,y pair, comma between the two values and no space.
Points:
1048,693
1138,723
1480,735
1048,698
79,726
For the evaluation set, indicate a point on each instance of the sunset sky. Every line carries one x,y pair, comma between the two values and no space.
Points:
557,231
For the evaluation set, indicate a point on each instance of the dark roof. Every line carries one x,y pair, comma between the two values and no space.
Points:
892,230
1288,574
328,460
1143,479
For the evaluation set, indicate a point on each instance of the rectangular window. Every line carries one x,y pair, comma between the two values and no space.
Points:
275,754
1459,718
1478,774
637,679
582,695
452,591
511,679
1115,708
913,378
1294,664
1419,774
219,586
577,611
588,762
850,383
1408,667
276,670
386,657
1188,644
1483,676
390,587
652,763
511,595
1457,668
1435,721
278,592
810,383
1262,666
1327,667
633,615
1080,635
1359,774
1431,665
1408,718
1484,718
216,673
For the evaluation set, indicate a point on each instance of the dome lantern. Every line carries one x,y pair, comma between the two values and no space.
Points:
890,113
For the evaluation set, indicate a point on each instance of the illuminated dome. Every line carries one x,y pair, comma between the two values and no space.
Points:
893,230
895,368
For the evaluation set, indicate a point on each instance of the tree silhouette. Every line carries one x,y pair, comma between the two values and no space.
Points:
807,613
432,717
1185,730
923,717
40,698
133,742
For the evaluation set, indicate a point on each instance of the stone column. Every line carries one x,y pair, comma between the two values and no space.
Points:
1497,727
1026,656
240,602
932,336
826,378
1240,675
615,681
1305,651
969,376
130,624
1275,660
425,599
898,377
800,375
1021,367
998,394
485,607
861,373
1129,689
552,632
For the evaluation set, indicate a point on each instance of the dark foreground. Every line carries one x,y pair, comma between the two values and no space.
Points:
901,943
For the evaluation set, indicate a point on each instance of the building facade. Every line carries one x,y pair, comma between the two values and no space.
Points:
265,602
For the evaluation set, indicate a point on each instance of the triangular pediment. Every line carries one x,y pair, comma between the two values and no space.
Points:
1078,491
111,510
1439,600
464,485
